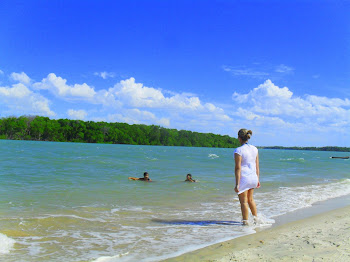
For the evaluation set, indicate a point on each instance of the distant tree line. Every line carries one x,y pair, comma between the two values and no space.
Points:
324,148
40,128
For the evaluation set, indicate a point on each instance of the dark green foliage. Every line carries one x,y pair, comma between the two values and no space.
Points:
324,148
64,130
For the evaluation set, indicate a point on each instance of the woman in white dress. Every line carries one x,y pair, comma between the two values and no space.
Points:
246,173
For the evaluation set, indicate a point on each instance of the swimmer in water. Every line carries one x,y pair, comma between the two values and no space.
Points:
144,178
189,178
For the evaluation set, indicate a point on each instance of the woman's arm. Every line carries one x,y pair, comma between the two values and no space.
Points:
133,178
238,161
257,169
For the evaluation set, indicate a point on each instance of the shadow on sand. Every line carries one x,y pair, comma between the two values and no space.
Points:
197,222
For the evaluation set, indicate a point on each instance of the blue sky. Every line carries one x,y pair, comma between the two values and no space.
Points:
280,68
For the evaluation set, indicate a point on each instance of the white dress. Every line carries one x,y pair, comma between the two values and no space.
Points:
249,178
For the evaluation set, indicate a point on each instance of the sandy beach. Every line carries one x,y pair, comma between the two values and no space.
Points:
324,237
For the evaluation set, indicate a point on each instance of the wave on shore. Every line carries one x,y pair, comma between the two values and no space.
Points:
288,199
6,244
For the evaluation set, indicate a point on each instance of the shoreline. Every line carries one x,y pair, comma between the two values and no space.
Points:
317,208
302,235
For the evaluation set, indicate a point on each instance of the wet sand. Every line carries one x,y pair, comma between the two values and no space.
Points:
323,237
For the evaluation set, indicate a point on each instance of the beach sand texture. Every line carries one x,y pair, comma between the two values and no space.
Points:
324,237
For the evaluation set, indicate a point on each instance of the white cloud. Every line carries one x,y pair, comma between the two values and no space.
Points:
284,69
20,100
40,106
133,94
271,105
1,72
269,99
17,91
129,95
268,89
105,75
325,101
137,95
58,87
259,71
77,114
107,98
20,77
249,115
136,116
250,72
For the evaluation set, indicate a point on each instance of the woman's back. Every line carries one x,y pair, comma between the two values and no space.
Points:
248,153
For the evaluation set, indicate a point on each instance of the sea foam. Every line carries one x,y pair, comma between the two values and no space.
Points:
110,258
213,156
289,199
6,244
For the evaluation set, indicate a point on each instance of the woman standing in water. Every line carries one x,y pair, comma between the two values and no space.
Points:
246,173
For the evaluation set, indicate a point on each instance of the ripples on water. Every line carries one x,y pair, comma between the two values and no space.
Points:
73,202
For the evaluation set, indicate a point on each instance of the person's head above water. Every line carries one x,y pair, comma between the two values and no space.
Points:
189,178
244,134
144,178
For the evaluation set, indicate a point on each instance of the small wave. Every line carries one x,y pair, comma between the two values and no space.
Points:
73,217
289,199
213,156
261,221
129,209
152,158
114,210
301,159
6,244
110,258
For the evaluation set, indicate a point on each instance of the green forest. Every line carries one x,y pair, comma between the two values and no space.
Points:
40,128
324,148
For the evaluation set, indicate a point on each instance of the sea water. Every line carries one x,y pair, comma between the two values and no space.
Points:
74,202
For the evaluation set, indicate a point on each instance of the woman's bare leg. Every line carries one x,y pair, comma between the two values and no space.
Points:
243,199
251,202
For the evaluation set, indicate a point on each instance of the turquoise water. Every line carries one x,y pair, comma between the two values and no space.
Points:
73,202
